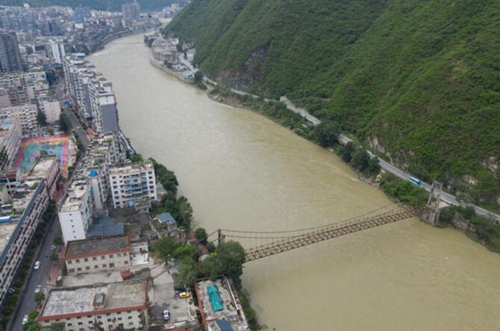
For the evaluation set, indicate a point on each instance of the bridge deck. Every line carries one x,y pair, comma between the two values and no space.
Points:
333,231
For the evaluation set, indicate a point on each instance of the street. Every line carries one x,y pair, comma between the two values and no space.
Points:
37,277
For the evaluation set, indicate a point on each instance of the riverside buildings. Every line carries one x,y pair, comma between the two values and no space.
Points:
133,185
92,93
89,190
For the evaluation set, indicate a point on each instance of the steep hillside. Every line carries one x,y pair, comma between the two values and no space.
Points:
419,80
112,5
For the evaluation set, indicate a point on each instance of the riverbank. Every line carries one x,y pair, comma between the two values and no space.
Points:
479,227
243,172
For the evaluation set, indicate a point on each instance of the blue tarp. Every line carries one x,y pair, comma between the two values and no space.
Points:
215,301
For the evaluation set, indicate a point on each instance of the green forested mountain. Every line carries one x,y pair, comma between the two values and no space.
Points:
418,79
111,5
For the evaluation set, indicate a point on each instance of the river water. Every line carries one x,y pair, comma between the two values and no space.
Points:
242,171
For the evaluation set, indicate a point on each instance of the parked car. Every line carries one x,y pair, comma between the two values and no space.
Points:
25,319
37,265
12,290
52,247
166,315
38,288
183,295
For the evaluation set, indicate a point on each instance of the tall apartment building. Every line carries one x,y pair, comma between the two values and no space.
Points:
133,185
10,139
10,56
17,231
55,49
131,11
92,93
26,114
21,88
50,107
77,211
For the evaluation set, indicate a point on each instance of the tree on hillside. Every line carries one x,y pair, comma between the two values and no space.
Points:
346,154
360,159
326,133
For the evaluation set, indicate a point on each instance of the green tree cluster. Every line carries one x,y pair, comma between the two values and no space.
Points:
64,123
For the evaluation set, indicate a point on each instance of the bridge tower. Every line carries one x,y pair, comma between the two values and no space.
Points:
433,203
220,239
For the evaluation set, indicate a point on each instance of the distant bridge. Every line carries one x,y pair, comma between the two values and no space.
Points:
284,241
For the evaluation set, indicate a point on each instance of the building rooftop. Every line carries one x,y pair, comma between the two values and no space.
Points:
105,226
73,202
42,166
92,300
97,246
222,305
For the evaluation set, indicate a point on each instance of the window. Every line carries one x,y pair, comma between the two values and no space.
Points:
69,324
79,269
111,265
94,258
104,266
71,271
87,268
109,319
96,267
118,255
70,262
86,260
125,262
111,256
77,261
103,257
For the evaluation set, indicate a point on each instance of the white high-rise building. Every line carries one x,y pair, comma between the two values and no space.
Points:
55,48
133,185
77,212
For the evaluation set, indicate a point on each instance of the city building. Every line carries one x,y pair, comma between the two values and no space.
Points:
218,301
10,56
50,107
17,89
10,139
131,11
46,167
133,185
90,187
10,179
26,114
77,211
92,93
55,49
98,254
116,306
16,232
